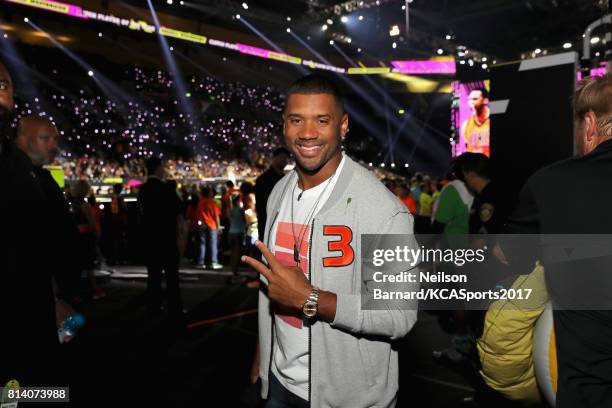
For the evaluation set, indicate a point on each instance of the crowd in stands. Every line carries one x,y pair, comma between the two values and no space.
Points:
107,134
97,170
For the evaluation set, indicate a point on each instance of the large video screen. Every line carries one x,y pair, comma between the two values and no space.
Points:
471,117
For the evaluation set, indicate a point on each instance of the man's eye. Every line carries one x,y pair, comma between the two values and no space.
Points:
295,121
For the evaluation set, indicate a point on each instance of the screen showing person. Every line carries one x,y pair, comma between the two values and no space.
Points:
474,117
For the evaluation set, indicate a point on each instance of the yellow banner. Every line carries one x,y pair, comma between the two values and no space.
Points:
284,57
182,35
369,71
46,5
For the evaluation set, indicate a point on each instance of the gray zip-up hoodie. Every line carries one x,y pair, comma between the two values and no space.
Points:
352,361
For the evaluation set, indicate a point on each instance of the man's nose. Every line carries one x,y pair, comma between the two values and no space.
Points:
309,131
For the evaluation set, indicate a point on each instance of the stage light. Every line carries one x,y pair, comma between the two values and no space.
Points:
394,31
25,19
494,62
404,7
462,62
288,18
377,3
5,36
169,1
344,19
331,42
567,45
382,164
401,111
188,94
358,49
237,16
182,3
288,30
330,21
324,27
394,45
440,51
171,48
470,62
360,18
594,40
448,37
597,54
370,164
348,40
537,51
393,165
406,165
90,73
484,59
99,34
245,6
484,66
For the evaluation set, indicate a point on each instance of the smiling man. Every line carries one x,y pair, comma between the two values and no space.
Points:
317,346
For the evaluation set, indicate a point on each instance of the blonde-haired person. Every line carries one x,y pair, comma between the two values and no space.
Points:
579,285
89,234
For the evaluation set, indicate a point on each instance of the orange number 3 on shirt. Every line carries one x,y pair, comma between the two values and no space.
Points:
342,245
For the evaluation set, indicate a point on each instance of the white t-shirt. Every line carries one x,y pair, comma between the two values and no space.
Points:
290,354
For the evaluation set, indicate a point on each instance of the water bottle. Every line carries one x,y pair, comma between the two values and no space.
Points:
70,326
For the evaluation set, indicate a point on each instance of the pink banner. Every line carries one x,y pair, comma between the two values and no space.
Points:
424,67
258,52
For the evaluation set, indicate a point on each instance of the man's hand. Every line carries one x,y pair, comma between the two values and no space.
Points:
287,286
62,311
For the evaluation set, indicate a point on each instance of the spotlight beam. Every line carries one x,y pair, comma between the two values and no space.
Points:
180,90
105,84
400,125
271,43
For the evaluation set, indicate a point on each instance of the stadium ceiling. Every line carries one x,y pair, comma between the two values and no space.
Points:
500,28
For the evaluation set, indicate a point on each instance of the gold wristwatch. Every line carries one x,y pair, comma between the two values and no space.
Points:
311,305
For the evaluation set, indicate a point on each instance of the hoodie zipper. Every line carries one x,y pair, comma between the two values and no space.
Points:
273,317
310,326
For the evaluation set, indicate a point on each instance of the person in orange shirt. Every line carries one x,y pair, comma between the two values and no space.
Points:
208,213
403,193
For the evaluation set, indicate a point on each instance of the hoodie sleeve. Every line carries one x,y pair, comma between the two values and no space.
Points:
399,316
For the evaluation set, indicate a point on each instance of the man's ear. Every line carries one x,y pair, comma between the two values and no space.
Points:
590,123
344,125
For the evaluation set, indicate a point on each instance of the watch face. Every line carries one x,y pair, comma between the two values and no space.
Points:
310,309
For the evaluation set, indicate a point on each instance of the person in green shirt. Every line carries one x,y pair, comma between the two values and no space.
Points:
452,215
451,218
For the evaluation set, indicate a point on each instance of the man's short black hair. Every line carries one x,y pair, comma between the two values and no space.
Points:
152,164
229,183
280,150
317,84
476,162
